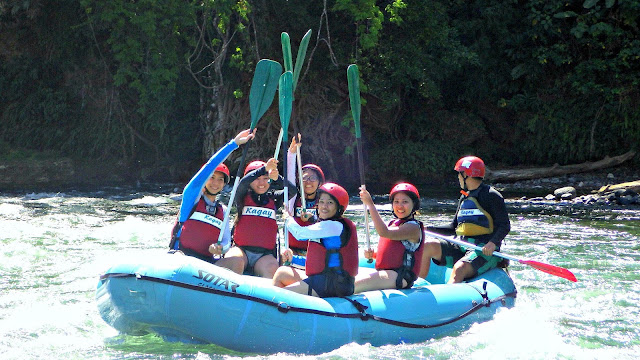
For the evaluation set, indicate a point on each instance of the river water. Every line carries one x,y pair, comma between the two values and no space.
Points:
55,245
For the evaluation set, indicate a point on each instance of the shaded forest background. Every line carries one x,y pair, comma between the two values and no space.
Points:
148,89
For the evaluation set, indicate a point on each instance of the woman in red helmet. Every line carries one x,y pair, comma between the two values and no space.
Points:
400,245
312,178
481,218
332,254
260,193
199,221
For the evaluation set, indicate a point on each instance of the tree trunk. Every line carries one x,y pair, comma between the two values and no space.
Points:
632,185
557,170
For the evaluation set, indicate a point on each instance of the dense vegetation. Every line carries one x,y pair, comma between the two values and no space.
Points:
161,84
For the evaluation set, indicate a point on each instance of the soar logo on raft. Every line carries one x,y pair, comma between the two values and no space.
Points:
212,281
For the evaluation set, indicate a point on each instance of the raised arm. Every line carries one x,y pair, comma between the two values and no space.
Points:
193,190
407,231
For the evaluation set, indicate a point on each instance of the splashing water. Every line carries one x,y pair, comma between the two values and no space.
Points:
55,245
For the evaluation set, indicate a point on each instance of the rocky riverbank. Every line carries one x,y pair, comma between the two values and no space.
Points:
576,189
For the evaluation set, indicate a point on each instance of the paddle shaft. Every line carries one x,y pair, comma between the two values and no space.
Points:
286,198
470,245
232,197
263,89
285,106
276,153
353,80
548,268
366,211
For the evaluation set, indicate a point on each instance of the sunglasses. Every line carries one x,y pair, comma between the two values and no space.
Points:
310,178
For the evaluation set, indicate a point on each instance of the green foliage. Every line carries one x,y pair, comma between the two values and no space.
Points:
413,161
418,49
368,19
145,52
526,82
581,68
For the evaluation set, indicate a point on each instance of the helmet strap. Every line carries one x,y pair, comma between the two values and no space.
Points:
465,189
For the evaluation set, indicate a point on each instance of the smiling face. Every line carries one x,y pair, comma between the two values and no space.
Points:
402,205
327,206
260,185
216,183
310,181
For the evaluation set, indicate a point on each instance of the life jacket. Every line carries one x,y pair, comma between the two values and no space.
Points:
312,208
201,229
257,225
472,219
318,256
398,254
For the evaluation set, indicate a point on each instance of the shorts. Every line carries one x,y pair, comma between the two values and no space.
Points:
331,284
452,253
254,254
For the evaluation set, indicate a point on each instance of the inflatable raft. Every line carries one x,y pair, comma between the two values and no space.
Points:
184,299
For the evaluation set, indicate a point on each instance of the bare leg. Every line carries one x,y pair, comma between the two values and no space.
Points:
266,266
234,260
384,279
291,279
286,275
301,287
461,271
432,250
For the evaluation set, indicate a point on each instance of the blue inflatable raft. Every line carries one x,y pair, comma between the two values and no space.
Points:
184,299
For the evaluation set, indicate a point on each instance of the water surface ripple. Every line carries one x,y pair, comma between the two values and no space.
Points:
55,245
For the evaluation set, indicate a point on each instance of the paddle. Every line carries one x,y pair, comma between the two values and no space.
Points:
285,40
353,79
548,268
263,90
285,92
276,153
302,52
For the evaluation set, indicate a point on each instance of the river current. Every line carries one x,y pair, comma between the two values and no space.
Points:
55,246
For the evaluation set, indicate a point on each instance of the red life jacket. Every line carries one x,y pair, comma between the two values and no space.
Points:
257,225
293,242
317,254
201,229
392,254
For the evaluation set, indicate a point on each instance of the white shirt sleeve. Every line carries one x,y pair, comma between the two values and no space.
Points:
319,230
291,175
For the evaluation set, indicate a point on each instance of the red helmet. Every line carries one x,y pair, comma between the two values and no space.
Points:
254,165
338,193
408,189
317,169
472,166
225,170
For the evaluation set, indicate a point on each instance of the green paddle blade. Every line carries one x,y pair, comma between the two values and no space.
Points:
353,78
286,51
286,100
263,88
302,52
